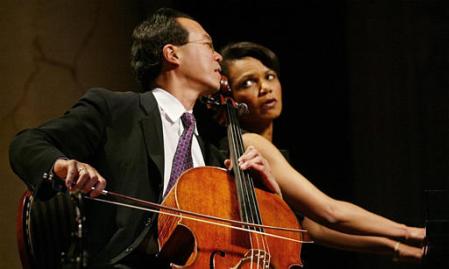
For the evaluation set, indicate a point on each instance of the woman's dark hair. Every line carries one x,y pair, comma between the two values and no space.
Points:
148,40
239,50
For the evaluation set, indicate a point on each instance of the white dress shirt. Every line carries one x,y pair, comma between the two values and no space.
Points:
171,111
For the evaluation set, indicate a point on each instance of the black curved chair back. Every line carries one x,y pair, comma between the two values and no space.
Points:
50,233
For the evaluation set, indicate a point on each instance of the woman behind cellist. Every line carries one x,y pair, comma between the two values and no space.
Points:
253,74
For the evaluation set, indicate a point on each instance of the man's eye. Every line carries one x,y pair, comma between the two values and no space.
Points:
211,46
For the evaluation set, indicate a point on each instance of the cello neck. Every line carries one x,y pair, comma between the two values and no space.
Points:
249,209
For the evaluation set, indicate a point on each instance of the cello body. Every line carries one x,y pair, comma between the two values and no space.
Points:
212,191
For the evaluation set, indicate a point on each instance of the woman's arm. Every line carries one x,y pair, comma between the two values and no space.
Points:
342,216
366,244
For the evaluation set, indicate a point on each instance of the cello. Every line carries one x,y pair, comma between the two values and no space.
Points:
212,191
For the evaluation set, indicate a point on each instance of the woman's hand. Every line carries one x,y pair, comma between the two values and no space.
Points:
406,253
415,235
252,159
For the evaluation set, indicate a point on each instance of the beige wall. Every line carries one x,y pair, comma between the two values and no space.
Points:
50,53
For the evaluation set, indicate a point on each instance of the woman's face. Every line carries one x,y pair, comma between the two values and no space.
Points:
259,87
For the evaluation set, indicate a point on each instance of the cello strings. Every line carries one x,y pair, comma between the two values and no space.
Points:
236,149
238,145
238,174
247,186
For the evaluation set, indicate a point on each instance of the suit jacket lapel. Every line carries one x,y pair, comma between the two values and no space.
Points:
152,130
153,137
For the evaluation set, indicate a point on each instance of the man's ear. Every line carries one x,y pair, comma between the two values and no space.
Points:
170,53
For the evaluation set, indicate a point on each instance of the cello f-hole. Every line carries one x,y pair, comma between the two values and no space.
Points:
212,258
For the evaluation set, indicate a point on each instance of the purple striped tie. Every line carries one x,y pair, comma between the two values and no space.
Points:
183,155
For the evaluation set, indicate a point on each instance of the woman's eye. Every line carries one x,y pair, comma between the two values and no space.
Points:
271,76
247,83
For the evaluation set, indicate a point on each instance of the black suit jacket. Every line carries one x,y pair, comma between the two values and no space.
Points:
118,133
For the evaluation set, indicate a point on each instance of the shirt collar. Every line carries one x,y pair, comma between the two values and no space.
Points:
170,106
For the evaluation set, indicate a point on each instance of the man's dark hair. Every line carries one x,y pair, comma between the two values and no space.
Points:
148,40
239,50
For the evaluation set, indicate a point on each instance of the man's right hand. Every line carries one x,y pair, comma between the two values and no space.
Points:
79,176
